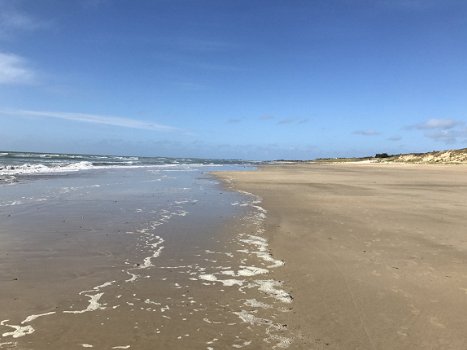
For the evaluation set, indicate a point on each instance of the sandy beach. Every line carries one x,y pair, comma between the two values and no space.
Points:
297,256
375,255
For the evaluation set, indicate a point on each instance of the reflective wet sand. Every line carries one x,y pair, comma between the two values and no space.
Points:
137,259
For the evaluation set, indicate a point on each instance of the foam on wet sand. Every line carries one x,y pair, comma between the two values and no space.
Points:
208,281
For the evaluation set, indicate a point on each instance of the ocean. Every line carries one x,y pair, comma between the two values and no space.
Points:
113,252
17,164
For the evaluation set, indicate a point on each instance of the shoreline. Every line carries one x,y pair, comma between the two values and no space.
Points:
137,259
374,255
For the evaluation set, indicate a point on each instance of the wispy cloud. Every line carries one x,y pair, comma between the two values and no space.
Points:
91,118
14,69
440,124
394,138
445,130
266,117
369,132
234,120
292,121
449,136
286,121
13,20
283,121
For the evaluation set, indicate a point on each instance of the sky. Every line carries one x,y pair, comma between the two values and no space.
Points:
241,79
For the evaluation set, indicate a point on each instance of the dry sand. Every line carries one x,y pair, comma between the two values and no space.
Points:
376,255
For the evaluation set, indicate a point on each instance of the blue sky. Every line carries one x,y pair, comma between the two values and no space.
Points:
233,79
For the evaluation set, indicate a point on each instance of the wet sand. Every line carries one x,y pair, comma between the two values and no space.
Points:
137,259
376,255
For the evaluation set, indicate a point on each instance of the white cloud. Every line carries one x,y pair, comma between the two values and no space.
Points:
14,70
449,131
441,124
91,118
366,132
